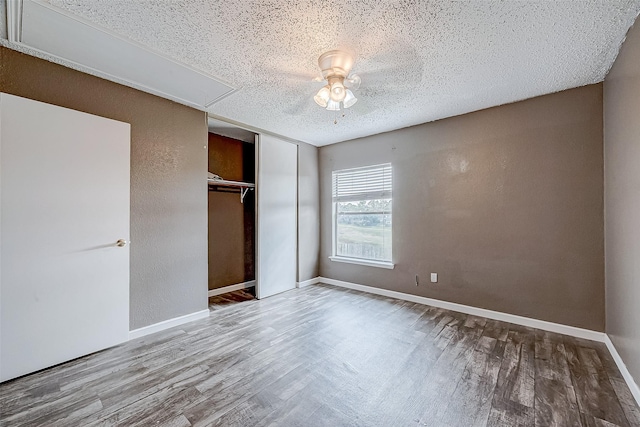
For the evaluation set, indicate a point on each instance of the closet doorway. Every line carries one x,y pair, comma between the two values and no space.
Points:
232,210
252,212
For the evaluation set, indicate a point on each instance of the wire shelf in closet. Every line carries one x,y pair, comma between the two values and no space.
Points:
218,184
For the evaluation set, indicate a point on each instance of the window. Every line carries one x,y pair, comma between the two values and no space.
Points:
362,215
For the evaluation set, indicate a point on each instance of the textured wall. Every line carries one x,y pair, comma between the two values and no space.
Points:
168,187
505,204
308,212
231,223
622,201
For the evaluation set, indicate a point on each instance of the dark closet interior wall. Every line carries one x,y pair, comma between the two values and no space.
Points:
231,223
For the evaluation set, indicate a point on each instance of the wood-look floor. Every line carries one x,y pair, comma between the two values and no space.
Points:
324,356
230,298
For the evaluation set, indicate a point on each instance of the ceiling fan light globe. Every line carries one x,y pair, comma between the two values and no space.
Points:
322,97
333,105
321,102
337,92
349,99
353,82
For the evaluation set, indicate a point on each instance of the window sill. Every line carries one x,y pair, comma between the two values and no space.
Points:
367,262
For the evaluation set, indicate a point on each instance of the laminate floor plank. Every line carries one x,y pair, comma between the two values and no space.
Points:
155,409
594,392
470,403
628,403
258,407
81,370
590,421
440,385
496,329
325,356
513,400
399,400
555,403
231,298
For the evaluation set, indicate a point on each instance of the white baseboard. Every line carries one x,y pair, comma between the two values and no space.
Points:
635,390
231,288
304,283
505,317
166,324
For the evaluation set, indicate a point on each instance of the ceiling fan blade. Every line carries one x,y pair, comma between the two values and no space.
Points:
392,75
300,107
275,74
366,104
363,107
401,66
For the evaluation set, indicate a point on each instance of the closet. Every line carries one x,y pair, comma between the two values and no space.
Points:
253,204
232,213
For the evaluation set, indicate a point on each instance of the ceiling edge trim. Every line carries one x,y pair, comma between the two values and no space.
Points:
125,39
28,50
221,97
15,11
14,20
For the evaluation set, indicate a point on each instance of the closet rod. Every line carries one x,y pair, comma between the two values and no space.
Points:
243,186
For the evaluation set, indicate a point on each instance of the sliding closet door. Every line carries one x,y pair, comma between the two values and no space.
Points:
276,212
64,205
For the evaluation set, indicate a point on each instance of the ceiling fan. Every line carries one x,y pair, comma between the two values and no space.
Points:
387,73
336,70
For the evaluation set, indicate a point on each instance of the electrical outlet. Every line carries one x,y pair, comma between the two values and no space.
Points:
434,277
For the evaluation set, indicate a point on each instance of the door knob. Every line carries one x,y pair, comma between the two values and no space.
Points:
121,243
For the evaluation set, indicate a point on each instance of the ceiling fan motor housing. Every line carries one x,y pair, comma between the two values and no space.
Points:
335,63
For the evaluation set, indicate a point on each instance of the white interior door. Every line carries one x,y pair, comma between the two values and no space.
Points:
276,212
64,203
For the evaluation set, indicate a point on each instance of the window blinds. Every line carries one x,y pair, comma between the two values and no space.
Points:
367,183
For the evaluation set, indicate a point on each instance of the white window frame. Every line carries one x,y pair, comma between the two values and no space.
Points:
383,193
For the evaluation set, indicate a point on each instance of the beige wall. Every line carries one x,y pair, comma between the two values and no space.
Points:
168,180
308,212
505,204
622,201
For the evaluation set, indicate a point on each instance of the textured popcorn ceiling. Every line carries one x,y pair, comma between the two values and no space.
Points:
419,60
